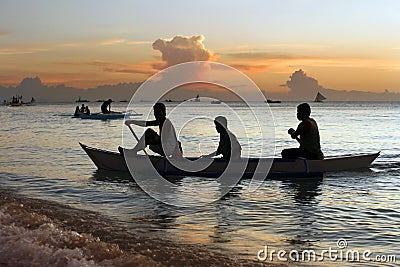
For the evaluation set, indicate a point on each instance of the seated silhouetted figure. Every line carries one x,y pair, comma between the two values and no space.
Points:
307,134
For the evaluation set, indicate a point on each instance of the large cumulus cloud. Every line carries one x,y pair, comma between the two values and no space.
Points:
302,86
182,49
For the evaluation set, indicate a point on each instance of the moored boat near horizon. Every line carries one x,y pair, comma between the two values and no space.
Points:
15,104
17,101
319,97
280,168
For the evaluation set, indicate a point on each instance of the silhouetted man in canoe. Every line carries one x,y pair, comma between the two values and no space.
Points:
228,146
307,134
106,106
165,143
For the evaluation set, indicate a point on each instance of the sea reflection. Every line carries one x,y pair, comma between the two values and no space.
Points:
41,157
304,192
305,211
112,176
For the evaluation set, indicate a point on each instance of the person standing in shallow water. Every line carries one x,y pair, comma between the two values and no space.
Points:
307,134
106,106
77,111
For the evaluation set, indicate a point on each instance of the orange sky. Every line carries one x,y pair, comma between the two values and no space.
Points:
107,44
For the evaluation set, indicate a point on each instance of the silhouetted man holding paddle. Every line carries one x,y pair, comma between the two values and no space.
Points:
307,134
166,143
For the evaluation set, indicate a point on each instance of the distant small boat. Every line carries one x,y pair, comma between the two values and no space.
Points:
30,103
171,101
319,98
101,116
123,101
216,102
81,100
109,116
197,99
21,103
17,101
272,101
16,104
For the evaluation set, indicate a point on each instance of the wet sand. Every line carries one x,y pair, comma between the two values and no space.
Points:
36,232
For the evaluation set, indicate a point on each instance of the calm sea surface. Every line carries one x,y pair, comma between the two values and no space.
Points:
40,157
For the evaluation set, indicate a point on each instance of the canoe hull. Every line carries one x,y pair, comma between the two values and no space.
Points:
112,161
110,116
99,116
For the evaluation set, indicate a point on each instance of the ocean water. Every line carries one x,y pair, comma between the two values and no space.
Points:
40,158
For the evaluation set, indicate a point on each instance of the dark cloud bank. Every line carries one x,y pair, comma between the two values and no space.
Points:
305,88
33,87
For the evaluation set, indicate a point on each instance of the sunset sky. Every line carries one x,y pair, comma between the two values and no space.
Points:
345,45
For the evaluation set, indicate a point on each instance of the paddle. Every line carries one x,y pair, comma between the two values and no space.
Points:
137,139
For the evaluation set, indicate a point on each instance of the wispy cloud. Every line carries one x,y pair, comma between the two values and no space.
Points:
3,33
21,50
117,67
112,42
256,56
70,44
251,67
37,48
259,61
30,49
138,42
128,70
275,49
123,41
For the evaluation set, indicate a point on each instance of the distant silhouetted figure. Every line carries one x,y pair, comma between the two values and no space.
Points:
87,110
307,134
228,146
82,110
106,106
77,111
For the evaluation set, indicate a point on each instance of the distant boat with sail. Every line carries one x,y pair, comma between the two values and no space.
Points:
319,98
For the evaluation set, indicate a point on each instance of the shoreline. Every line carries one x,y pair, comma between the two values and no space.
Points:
59,234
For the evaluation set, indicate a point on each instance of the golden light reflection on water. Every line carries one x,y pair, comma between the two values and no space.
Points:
40,154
